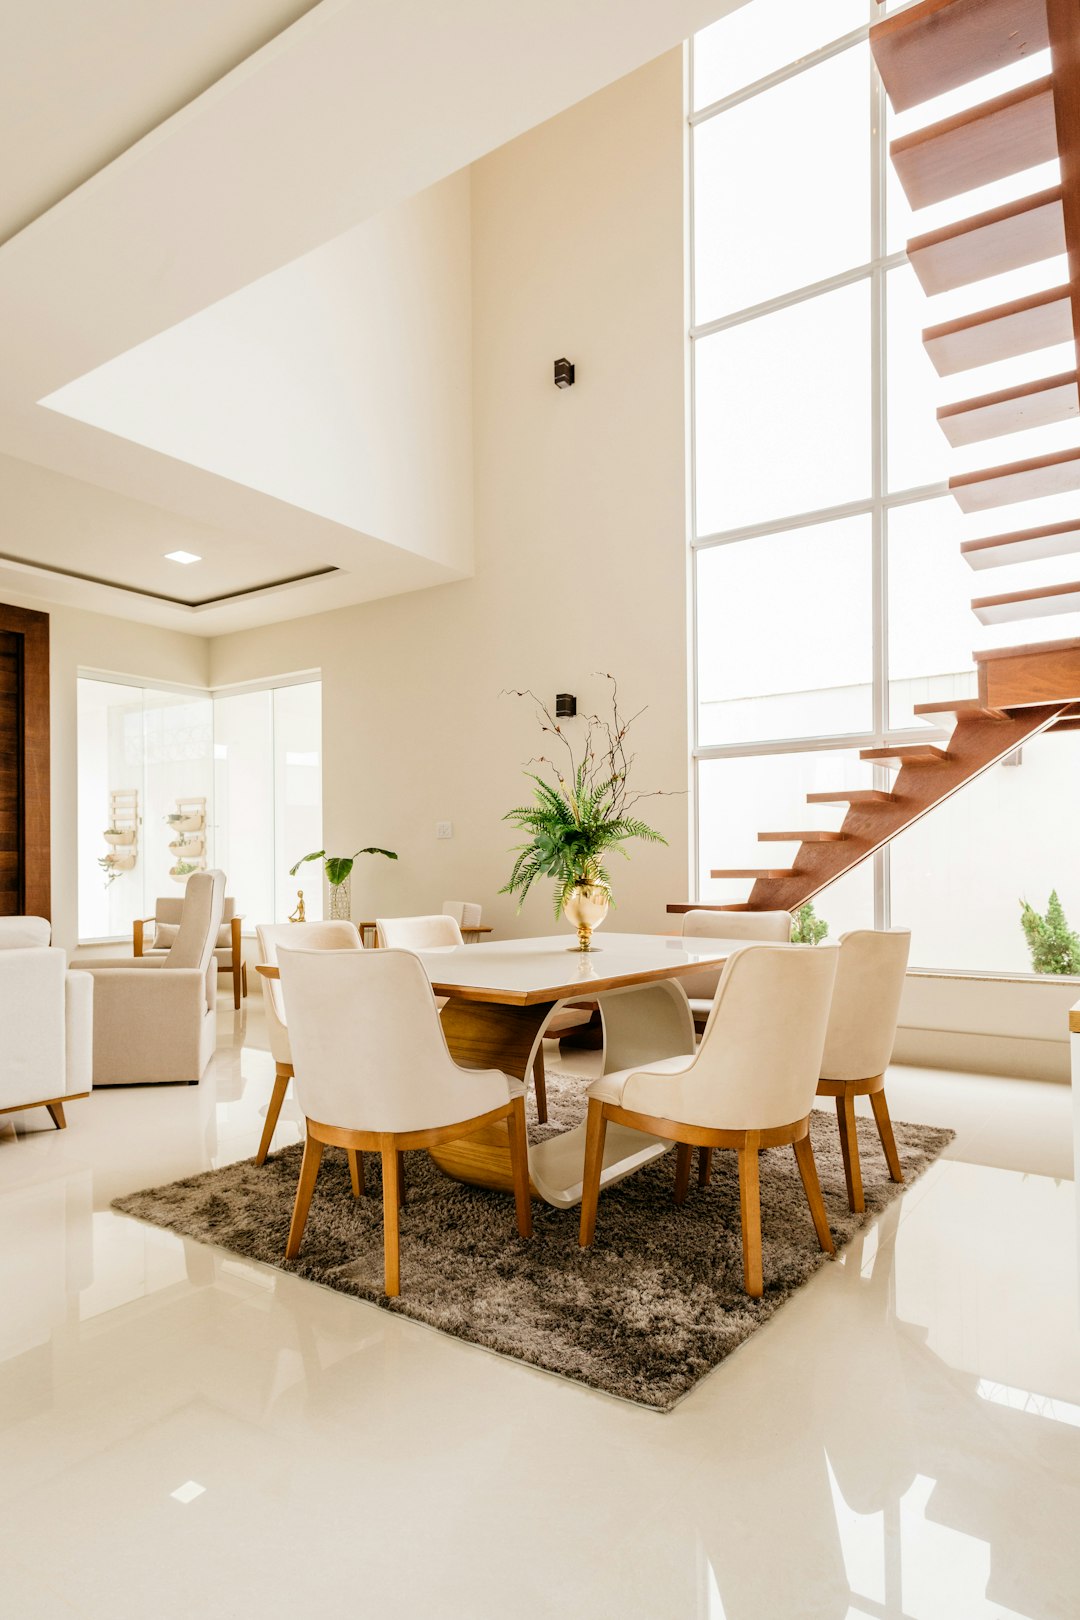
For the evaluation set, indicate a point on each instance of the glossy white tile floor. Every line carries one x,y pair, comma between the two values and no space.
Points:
186,1434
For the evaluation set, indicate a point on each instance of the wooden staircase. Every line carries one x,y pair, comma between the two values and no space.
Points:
930,48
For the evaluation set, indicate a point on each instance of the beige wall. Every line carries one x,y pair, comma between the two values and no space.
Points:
90,641
580,529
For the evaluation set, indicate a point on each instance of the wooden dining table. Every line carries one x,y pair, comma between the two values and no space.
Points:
499,997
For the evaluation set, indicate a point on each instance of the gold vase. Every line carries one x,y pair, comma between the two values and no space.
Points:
585,908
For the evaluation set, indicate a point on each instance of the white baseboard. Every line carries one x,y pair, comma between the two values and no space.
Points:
1020,1057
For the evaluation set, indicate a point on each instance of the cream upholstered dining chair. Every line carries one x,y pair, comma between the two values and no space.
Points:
46,1015
373,1073
860,1039
441,932
313,936
750,1085
155,1017
165,923
466,913
769,926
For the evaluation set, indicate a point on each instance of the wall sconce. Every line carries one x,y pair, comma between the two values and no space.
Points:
565,706
564,373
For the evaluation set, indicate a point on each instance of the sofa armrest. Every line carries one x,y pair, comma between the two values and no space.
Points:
133,963
79,1033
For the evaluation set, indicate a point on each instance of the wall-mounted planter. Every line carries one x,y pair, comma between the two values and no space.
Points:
188,847
126,835
119,863
194,822
179,876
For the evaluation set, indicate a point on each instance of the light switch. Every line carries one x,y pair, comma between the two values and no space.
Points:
444,829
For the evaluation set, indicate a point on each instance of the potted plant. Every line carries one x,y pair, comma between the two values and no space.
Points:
119,835
1054,947
183,870
338,869
577,818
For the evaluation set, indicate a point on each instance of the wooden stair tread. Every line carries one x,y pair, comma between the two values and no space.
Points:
1018,327
1056,474
907,754
1023,545
991,243
853,796
1011,410
679,908
960,709
818,836
941,44
752,872
1035,673
1037,603
1068,724
989,142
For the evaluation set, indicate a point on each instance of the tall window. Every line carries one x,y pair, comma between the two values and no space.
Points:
243,771
830,593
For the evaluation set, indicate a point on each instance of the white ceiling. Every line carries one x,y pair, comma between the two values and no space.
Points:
236,135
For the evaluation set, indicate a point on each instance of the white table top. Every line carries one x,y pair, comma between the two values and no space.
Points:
522,972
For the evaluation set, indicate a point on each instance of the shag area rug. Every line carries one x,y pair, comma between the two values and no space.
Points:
653,1306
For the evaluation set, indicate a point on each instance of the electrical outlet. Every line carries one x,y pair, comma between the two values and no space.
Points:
444,829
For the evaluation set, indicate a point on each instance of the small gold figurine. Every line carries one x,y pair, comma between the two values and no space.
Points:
298,914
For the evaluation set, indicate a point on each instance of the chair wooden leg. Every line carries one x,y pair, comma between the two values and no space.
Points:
684,1154
243,977
356,1171
704,1166
885,1131
804,1158
540,1085
750,1212
56,1114
849,1147
519,1165
309,1169
401,1190
595,1132
277,1097
236,985
391,1206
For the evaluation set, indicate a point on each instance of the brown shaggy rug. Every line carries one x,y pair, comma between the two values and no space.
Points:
644,1314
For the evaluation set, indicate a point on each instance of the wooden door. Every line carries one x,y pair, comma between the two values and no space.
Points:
24,763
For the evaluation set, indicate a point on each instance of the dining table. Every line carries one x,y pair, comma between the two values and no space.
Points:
498,998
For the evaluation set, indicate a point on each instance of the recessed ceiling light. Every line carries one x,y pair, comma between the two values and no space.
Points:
188,1492
182,557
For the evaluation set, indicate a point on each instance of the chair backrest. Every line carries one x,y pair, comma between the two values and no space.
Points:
866,1003
312,936
368,1045
756,925
466,913
24,933
760,1055
204,897
418,933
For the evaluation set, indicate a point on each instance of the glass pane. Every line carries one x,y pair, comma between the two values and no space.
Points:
244,800
738,798
772,213
918,451
939,867
783,412
764,35
932,629
784,634
297,795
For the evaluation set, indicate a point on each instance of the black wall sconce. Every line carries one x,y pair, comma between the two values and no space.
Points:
565,706
564,373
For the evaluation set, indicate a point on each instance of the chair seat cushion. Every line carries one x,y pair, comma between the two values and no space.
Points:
610,1087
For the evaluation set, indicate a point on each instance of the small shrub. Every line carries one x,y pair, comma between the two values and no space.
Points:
807,928
1054,947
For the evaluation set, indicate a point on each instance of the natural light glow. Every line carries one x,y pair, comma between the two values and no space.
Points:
188,1491
182,557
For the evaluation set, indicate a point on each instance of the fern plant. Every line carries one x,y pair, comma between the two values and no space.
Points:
1054,947
585,812
807,928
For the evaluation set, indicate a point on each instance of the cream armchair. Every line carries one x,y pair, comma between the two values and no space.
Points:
165,924
374,1074
46,1015
314,936
750,1085
155,1017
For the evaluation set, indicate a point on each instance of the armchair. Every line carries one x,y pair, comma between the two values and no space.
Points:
165,922
155,1017
46,1014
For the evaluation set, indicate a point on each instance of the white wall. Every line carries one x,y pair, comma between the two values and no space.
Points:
577,250
90,641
